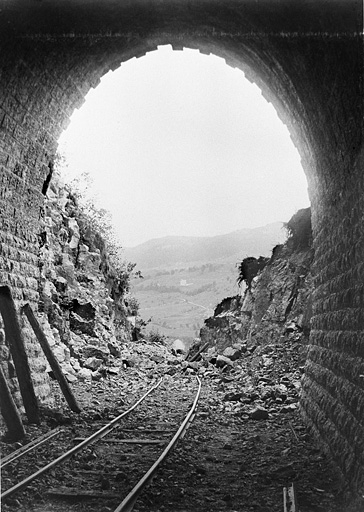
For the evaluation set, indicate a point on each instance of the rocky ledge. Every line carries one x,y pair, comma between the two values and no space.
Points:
82,309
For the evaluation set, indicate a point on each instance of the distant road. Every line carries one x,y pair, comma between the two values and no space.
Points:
193,304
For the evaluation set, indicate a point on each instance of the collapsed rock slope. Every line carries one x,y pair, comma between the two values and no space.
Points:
275,305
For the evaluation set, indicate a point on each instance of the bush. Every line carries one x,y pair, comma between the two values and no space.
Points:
299,229
249,268
156,337
133,305
96,231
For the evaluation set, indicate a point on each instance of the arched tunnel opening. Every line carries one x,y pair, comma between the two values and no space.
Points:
307,61
180,144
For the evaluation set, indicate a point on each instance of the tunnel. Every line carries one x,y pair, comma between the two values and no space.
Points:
307,59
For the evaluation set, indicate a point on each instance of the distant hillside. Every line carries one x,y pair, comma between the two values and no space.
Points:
177,250
184,277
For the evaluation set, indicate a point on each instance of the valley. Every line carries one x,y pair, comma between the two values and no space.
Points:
185,277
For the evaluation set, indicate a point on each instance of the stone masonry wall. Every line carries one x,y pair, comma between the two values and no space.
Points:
39,94
333,387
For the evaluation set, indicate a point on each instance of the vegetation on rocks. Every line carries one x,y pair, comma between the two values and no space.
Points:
299,229
83,283
249,268
277,299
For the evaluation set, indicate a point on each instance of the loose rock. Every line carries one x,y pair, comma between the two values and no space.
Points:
259,414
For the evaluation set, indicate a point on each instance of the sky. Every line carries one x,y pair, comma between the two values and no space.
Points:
179,143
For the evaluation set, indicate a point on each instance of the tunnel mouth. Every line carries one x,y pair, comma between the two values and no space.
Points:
182,278
309,65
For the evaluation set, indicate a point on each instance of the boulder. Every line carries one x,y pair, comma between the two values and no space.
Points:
75,233
93,351
128,362
85,374
75,364
68,368
93,363
173,362
290,327
96,375
60,353
288,408
240,346
81,326
222,361
157,358
233,397
61,284
194,366
259,414
71,378
280,391
171,371
114,348
232,353
211,352
85,310
178,347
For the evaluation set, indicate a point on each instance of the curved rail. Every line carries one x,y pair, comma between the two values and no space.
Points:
94,437
128,504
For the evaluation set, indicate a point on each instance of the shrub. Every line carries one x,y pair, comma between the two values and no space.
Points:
155,336
133,305
299,229
96,230
249,268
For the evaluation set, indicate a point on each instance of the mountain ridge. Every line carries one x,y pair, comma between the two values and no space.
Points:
173,249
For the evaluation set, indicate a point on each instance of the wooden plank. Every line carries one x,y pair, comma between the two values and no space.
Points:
15,340
10,411
52,360
71,492
149,431
204,347
124,441
100,473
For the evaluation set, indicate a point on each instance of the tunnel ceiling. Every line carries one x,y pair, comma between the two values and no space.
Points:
92,16
295,50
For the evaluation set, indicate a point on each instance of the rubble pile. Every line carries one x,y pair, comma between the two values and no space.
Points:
276,303
247,440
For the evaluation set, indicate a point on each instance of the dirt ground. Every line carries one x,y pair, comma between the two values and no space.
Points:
246,443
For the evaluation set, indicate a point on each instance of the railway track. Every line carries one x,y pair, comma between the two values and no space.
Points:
108,465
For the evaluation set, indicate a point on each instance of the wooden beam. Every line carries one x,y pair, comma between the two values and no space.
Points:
124,441
52,360
70,492
15,340
10,412
204,347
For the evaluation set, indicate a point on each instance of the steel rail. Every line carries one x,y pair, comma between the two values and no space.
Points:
128,503
94,437
30,446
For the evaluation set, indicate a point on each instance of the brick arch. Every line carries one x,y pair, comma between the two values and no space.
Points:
307,59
